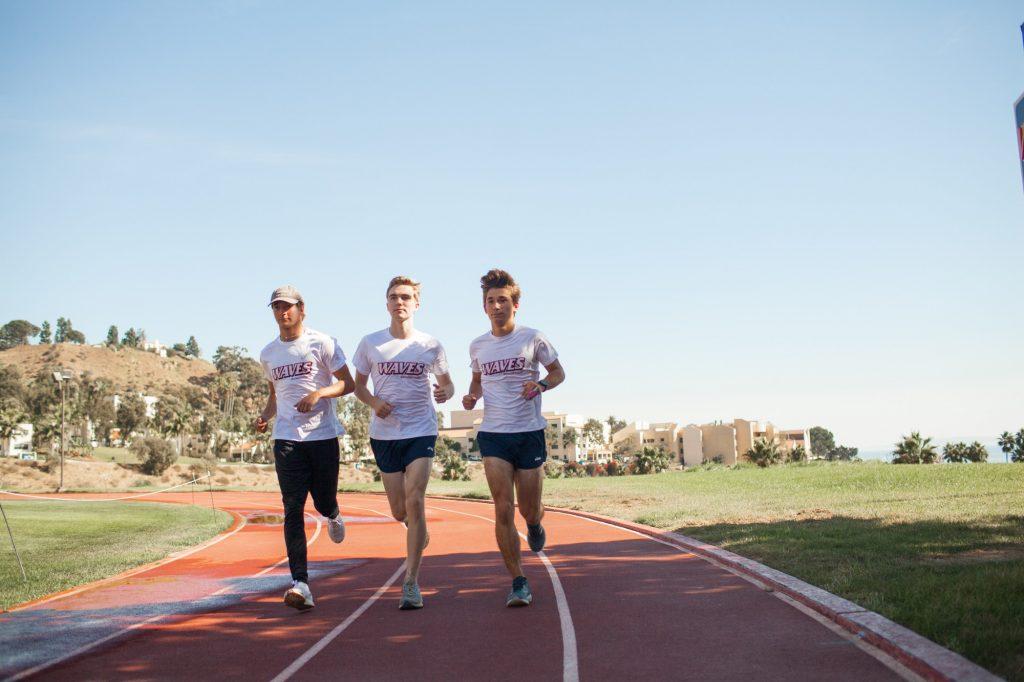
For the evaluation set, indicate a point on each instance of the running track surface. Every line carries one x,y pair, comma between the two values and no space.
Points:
611,605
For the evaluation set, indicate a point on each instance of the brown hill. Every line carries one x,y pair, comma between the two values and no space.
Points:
123,367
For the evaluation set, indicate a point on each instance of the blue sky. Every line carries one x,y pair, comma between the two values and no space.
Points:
807,212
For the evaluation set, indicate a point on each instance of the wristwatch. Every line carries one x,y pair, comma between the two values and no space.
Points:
543,384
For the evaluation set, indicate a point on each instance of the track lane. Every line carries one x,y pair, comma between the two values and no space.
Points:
639,608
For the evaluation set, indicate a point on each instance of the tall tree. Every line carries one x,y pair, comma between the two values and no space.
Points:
61,333
914,449
230,358
75,336
614,423
45,334
593,433
192,347
112,336
131,414
131,338
16,333
822,442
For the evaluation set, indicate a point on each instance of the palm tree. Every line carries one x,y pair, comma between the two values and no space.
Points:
764,452
914,449
1006,444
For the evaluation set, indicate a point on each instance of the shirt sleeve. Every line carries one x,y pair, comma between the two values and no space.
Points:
361,358
543,351
265,366
334,356
473,364
440,365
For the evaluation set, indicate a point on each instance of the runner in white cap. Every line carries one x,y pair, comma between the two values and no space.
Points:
301,366
403,429
505,363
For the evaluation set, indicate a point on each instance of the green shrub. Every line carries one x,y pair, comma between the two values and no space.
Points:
155,454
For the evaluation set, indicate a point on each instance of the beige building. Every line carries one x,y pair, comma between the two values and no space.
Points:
638,435
731,442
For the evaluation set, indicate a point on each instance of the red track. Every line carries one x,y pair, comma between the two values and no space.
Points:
635,607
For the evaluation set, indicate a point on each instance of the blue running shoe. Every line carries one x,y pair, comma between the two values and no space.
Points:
520,594
536,537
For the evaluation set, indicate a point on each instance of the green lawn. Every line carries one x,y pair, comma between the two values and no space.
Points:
64,544
937,548
125,456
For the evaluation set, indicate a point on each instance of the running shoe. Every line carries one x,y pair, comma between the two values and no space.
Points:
336,528
411,597
536,537
520,594
299,597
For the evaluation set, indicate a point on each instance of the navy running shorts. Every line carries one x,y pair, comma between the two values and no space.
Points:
394,455
524,450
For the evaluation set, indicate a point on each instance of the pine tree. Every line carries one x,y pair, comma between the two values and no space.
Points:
61,334
192,347
45,335
112,336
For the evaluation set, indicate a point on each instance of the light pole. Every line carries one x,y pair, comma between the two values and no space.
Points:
60,376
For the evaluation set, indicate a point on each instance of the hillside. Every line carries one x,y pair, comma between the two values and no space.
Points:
122,367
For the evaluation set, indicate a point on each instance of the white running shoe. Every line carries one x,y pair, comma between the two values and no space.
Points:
299,597
336,528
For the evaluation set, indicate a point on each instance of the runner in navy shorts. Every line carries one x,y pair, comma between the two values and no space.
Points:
403,428
506,363
524,450
393,456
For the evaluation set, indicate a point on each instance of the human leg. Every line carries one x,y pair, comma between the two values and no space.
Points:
324,457
417,474
500,477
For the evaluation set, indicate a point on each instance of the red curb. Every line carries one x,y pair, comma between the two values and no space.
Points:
921,655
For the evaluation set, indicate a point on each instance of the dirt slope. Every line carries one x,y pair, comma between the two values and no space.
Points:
123,367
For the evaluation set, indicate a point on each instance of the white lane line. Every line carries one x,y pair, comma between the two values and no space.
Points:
869,649
570,660
330,636
114,635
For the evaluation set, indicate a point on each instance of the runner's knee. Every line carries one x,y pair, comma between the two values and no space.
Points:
504,512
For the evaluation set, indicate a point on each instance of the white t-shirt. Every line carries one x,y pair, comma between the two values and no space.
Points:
504,363
400,370
297,368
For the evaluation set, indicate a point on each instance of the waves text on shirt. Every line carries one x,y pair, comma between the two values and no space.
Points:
293,370
502,366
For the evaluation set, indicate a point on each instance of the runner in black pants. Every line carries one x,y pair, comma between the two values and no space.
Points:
301,365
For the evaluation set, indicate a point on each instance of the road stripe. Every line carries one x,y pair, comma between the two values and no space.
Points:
570,659
330,636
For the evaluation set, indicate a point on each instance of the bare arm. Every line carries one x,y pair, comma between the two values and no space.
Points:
269,410
381,408
556,375
344,385
444,388
476,390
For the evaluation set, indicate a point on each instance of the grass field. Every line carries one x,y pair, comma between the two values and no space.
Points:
64,544
939,549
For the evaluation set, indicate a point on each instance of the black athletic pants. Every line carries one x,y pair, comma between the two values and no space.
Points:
305,467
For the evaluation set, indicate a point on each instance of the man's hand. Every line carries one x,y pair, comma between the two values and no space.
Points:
531,389
382,408
442,393
309,402
469,401
260,424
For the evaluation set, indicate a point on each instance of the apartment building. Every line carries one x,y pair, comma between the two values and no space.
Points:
729,442
639,435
